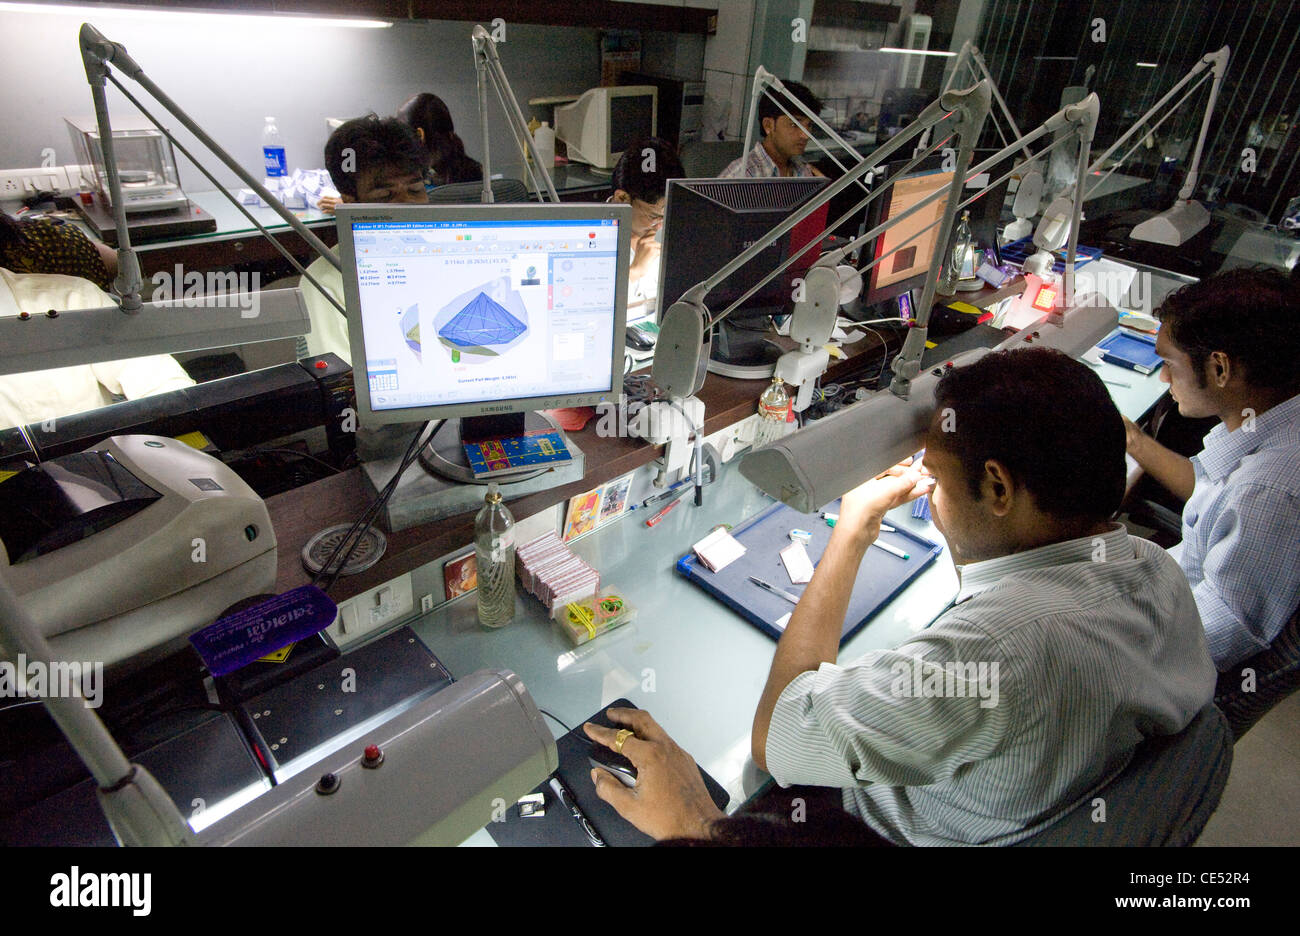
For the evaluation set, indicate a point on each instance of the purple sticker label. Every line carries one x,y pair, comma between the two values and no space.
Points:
238,639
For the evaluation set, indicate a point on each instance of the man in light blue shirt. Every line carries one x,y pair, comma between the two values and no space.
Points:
1231,348
781,150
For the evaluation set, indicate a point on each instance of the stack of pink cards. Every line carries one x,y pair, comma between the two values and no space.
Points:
553,574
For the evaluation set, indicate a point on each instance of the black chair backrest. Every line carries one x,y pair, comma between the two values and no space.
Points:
1163,797
1275,674
471,193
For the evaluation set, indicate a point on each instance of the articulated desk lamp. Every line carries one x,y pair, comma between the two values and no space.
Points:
448,758
134,328
1176,225
487,66
813,466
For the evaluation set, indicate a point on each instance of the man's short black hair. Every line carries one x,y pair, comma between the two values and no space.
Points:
1250,315
767,107
631,175
375,143
1047,418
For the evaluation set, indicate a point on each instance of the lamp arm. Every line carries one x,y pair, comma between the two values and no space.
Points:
480,73
98,52
139,811
1217,60
216,185
764,79
1220,68
934,112
486,46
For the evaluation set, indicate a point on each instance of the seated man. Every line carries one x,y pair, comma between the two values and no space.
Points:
37,396
780,151
640,179
1069,642
370,159
1230,346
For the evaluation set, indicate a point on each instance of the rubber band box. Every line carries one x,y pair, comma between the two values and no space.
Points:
590,617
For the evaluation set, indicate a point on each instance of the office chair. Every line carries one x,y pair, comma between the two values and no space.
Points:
471,193
1164,796
1277,675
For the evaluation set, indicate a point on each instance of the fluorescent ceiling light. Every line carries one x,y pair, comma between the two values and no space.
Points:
106,12
916,51
1147,65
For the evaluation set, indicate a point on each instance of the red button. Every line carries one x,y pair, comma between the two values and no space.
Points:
321,365
372,752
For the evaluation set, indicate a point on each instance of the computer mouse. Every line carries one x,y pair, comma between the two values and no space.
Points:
638,339
616,764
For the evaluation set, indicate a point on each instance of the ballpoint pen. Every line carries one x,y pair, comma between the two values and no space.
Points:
663,513
767,586
566,800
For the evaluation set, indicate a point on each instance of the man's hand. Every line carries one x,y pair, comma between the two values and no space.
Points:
863,508
669,799
645,253
1133,434
328,203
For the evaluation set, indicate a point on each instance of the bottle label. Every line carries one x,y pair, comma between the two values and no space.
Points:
277,165
775,413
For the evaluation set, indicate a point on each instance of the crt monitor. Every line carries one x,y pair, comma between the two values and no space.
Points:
598,126
475,311
707,223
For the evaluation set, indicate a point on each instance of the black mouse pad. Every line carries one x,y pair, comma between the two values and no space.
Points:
575,774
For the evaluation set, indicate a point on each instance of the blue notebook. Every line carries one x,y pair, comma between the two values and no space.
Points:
881,576
1134,351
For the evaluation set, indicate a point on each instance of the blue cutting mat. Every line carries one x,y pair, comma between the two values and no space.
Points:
880,577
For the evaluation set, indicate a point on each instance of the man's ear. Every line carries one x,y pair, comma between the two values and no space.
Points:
998,486
622,197
1219,366
768,124
419,131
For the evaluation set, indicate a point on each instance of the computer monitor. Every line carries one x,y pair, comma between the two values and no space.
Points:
907,266
603,121
708,222
483,311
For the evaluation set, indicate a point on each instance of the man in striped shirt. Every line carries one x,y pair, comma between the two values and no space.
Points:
780,151
1231,347
1070,642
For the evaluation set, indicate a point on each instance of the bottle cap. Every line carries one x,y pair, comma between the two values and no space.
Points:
493,495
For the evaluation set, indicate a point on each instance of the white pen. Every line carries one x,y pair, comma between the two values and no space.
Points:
890,549
887,528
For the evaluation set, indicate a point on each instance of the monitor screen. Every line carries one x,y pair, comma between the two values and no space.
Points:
909,263
460,310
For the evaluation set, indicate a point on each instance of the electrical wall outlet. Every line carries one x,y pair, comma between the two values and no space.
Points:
19,183
370,611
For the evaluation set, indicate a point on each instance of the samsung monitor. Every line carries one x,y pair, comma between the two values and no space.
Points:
598,126
479,312
707,223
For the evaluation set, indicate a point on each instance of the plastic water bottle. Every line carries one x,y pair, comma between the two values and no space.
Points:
273,157
494,552
544,143
774,413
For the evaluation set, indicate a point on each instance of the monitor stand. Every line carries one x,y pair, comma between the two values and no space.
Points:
739,350
443,454
426,496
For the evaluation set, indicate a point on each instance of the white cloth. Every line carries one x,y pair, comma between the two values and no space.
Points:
329,329
39,396
1011,708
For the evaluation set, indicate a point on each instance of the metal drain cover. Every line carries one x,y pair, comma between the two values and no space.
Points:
367,552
